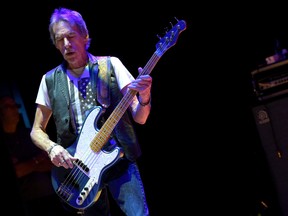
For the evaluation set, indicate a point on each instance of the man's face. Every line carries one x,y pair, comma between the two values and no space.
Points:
70,43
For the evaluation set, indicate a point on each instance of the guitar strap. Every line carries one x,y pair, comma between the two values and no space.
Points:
102,73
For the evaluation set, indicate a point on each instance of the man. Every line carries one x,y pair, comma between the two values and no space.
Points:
63,95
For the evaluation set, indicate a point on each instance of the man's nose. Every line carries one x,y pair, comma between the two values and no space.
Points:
66,42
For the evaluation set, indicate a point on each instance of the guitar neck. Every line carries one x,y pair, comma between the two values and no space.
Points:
104,133
162,46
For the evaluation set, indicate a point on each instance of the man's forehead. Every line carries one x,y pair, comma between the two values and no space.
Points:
63,27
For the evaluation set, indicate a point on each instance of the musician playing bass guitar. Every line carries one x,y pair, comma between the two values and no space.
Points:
80,96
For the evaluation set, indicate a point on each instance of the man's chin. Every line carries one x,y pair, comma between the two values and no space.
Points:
70,58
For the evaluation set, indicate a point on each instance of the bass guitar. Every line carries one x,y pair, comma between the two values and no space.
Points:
80,186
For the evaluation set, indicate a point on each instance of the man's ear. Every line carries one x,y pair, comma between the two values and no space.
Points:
86,39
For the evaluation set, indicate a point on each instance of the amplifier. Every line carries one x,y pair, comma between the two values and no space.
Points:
271,80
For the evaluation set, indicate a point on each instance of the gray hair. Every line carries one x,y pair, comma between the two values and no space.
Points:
72,17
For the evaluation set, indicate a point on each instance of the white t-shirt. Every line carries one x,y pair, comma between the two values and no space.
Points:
123,77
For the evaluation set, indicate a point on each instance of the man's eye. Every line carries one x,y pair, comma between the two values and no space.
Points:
71,35
59,39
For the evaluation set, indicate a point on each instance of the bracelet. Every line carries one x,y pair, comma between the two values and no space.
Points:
50,149
145,104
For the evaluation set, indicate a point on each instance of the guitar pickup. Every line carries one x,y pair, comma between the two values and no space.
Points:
80,164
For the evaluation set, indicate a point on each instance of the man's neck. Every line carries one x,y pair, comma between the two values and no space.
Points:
77,72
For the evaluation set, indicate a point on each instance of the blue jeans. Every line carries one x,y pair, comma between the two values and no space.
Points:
126,189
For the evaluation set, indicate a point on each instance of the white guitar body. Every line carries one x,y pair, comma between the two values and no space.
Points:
79,186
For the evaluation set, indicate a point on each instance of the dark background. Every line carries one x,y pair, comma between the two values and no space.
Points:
201,150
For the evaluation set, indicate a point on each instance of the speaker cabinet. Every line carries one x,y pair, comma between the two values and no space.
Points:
272,124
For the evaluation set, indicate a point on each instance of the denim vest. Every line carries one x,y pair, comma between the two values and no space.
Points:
124,131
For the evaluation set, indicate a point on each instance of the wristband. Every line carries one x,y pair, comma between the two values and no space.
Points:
145,104
50,149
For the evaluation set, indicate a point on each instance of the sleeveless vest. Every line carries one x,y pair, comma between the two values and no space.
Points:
108,96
